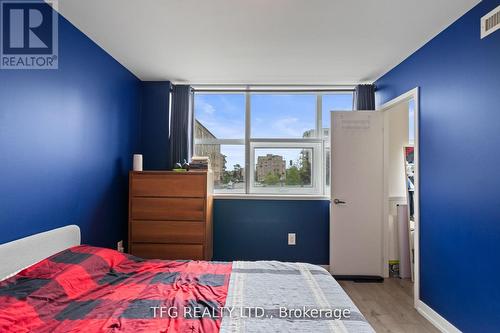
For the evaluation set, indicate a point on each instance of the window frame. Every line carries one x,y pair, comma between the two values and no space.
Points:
319,143
316,171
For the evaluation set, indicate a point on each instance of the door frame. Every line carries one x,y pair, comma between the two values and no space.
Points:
405,98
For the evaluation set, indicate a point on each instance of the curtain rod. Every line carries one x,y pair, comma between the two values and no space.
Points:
311,90
271,88
229,86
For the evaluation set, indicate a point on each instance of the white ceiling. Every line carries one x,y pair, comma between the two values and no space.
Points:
262,41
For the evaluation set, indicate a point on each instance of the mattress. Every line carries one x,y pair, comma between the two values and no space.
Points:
90,289
288,297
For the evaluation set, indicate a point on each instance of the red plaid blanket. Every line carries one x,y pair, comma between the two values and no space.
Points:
89,289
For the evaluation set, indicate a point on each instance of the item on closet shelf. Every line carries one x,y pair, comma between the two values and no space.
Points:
137,165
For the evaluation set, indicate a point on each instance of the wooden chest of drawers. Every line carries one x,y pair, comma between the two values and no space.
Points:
170,215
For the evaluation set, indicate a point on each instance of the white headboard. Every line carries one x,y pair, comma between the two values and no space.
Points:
24,252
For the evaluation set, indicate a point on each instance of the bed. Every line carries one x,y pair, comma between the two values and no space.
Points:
68,287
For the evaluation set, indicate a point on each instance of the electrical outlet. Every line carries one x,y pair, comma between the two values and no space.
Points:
291,239
119,246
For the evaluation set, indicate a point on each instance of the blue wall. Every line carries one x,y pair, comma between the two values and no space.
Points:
66,139
258,230
155,125
459,77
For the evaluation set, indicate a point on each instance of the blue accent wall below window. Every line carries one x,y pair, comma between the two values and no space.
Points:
66,140
258,230
459,79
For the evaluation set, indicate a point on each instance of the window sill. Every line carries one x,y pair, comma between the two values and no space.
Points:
242,196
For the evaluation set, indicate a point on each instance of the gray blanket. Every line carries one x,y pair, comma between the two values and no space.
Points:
272,296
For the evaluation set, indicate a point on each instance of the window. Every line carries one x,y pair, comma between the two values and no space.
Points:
219,133
220,116
286,168
282,115
267,142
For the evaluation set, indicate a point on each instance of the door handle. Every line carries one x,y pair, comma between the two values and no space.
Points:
339,202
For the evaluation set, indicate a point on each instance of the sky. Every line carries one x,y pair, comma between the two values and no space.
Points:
272,116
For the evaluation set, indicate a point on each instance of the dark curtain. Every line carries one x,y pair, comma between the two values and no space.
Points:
364,97
181,121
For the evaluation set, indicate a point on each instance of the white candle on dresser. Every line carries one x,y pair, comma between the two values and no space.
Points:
137,162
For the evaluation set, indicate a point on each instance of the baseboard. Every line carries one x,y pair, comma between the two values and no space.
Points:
435,318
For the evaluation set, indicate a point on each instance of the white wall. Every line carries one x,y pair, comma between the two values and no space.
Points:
397,126
396,137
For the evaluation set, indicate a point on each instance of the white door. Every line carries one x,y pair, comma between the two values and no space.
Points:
356,214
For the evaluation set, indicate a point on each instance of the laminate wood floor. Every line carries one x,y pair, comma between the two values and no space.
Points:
388,306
